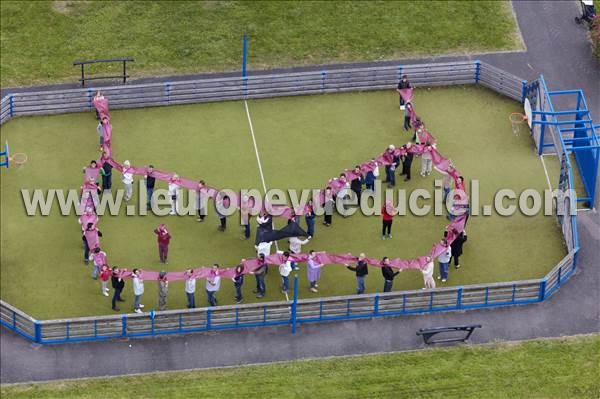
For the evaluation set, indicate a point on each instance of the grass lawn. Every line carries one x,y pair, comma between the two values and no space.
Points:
41,39
561,368
303,141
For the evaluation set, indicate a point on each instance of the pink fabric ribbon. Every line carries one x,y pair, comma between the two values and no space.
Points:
441,164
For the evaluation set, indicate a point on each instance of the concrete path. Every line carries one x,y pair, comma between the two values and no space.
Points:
557,48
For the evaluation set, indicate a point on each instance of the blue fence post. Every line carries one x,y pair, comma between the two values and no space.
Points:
559,275
295,304
244,55
151,314
208,326
477,70
376,305
523,90
69,330
89,96
124,325
37,331
10,105
542,293
323,77
459,297
168,91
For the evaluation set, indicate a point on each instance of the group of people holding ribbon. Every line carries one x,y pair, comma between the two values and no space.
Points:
422,145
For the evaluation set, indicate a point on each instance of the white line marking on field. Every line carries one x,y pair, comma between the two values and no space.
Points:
260,170
262,176
546,172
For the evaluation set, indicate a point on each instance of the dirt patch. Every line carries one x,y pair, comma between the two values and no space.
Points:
65,7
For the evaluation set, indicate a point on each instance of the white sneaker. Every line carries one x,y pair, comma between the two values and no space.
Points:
443,280
105,293
138,311
172,213
141,306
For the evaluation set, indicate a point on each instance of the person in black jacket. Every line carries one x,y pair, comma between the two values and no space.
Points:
407,162
388,274
457,246
402,84
118,284
356,183
361,270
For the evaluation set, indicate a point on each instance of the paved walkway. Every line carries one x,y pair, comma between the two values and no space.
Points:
557,48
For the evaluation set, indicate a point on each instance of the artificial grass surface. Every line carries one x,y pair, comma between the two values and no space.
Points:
560,368
41,39
303,141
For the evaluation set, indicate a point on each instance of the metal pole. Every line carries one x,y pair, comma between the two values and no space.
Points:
124,71
82,76
295,303
244,55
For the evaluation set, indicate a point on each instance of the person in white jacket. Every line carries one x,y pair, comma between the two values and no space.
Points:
427,271
173,189
285,269
296,248
128,180
138,290
264,248
426,160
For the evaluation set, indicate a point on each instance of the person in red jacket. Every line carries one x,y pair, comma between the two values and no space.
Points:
105,273
387,215
163,242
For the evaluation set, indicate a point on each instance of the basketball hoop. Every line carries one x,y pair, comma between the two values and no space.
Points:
18,159
516,120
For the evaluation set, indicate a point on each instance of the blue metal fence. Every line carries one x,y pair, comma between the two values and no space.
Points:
292,313
297,311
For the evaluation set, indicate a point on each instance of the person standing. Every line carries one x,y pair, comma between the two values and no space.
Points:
362,271
90,241
403,83
221,204
388,274
447,185
427,271
390,170
190,288
138,290
264,248
99,258
238,281
356,183
310,218
371,176
387,218
457,246
407,159
426,160
163,290
407,116
259,274
118,284
163,238
213,284
328,206
284,271
444,261
313,270
173,193
201,200
105,273
106,173
245,216
296,248
150,183
127,180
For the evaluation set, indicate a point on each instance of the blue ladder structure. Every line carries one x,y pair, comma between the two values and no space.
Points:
5,156
577,134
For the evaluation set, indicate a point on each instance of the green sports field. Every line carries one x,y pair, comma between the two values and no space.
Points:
565,368
302,141
41,39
